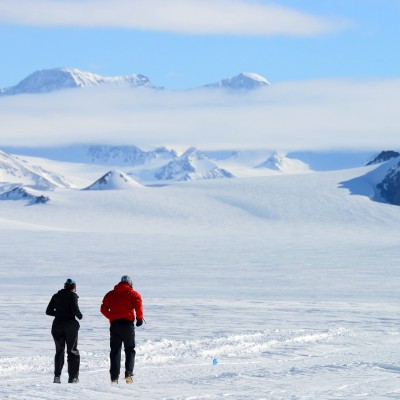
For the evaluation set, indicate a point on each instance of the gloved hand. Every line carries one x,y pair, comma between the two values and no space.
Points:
139,322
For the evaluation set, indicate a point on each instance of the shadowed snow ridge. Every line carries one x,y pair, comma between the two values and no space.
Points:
389,188
383,156
19,193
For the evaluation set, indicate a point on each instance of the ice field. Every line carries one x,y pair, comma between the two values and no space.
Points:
290,282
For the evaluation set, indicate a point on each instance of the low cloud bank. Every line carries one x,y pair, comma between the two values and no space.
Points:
318,114
204,17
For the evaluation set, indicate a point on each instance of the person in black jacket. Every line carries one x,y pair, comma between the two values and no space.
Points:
64,307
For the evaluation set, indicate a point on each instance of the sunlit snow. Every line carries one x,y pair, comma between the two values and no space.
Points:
290,282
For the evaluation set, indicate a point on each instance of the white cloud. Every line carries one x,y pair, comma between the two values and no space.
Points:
241,17
289,116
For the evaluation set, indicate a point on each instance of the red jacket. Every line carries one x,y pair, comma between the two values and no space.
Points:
122,303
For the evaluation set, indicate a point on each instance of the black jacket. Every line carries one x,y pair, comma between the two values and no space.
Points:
64,306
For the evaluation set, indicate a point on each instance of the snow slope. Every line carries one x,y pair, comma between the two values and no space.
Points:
15,170
289,281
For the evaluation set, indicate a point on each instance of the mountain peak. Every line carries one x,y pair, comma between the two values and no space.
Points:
192,153
114,180
281,163
253,76
49,80
243,81
191,165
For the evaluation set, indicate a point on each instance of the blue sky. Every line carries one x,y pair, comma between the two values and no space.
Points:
359,41
333,64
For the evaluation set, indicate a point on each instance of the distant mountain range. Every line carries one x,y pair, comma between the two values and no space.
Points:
49,80
128,155
131,167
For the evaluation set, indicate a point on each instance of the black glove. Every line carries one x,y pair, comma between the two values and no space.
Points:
139,322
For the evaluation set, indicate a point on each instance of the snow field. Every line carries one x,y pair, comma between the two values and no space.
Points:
289,281
342,359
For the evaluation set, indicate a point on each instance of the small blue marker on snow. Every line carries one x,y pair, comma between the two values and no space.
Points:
215,361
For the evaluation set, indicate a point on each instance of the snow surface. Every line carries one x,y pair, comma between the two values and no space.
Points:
289,281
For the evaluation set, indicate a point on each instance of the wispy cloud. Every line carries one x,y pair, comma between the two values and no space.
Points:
288,116
238,17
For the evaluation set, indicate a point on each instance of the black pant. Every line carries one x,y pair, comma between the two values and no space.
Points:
66,332
122,330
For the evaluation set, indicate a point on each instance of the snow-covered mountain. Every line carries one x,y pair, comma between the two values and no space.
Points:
383,156
49,80
21,193
191,165
245,81
17,171
278,162
128,155
114,180
389,188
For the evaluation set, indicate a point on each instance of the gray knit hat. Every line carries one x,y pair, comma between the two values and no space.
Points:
127,279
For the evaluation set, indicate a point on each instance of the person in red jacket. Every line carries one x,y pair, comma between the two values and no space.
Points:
121,306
